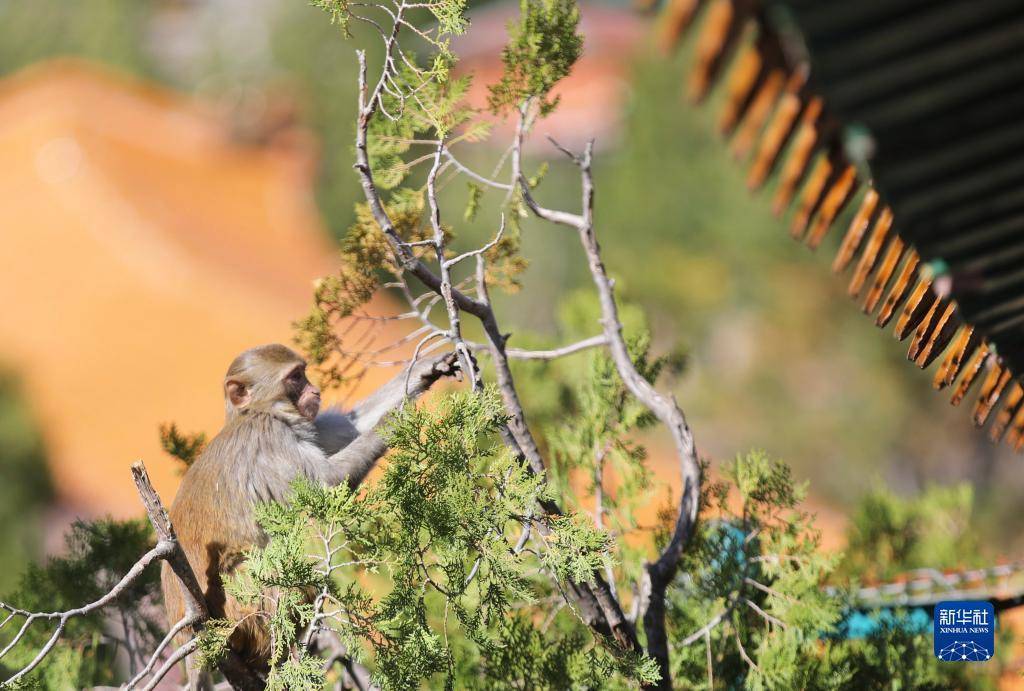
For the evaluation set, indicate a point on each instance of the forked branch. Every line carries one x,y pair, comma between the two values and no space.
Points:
658,574
598,606
167,549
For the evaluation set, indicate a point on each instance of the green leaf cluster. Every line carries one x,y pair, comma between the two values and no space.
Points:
437,110
338,11
96,556
365,257
756,568
889,534
185,447
420,575
558,656
543,46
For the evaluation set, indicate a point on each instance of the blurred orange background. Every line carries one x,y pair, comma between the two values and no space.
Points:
143,250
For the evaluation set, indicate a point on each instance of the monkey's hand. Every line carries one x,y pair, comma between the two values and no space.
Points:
446,365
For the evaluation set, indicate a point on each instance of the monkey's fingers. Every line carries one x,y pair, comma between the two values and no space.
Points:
449,365
445,365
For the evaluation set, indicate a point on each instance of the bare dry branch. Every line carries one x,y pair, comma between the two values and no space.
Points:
743,652
767,617
560,217
161,551
468,365
480,250
476,176
659,574
177,656
168,549
600,609
155,657
707,648
704,630
555,353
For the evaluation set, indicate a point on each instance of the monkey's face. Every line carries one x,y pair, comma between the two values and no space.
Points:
270,378
301,392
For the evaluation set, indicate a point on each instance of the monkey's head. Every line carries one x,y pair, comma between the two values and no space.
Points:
271,378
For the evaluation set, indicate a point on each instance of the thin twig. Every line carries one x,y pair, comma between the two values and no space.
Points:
161,551
176,657
572,157
743,652
480,250
702,631
446,289
476,176
560,217
771,591
175,630
767,617
552,354
711,673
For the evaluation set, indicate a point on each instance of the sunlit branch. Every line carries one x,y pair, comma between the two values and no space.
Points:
659,574
177,656
155,657
476,176
480,250
555,353
161,551
767,617
599,607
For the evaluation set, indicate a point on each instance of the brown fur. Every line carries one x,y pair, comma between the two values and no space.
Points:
266,443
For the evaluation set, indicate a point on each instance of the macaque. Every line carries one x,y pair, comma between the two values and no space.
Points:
273,434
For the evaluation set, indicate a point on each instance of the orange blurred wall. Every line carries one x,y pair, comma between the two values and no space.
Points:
142,249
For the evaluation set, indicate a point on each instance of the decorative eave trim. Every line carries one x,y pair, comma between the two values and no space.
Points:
777,123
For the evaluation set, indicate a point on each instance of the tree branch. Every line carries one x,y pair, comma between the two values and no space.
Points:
560,217
232,667
659,574
554,353
159,552
180,654
167,549
706,629
599,607
175,630
474,175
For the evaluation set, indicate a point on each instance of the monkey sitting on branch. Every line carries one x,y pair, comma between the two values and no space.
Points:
272,436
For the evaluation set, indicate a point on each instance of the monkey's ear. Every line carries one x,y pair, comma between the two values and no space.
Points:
236,392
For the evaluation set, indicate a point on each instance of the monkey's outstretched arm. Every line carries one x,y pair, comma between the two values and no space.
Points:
353,463
368,414
351,441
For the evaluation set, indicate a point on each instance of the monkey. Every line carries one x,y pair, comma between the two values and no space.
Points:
273,434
